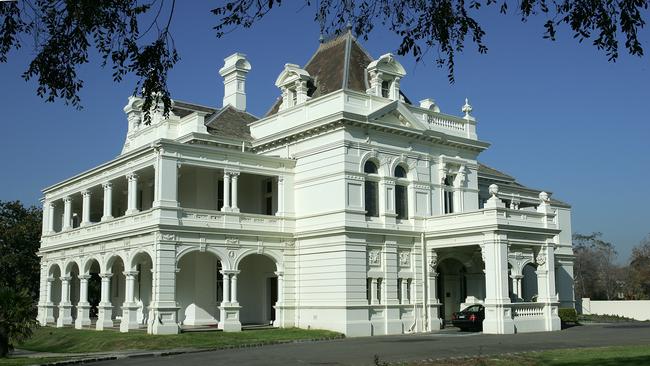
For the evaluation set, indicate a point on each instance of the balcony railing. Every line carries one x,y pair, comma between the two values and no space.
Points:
527,310
187,217
491,216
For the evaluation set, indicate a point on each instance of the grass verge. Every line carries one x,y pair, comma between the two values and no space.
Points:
68,340
601,356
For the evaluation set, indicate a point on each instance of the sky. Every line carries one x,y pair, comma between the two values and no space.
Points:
559,116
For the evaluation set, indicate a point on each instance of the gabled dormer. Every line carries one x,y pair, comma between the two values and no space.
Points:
293,82
384,75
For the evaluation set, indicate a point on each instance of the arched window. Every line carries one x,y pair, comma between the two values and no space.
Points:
371,190
370,168
401,195
400,172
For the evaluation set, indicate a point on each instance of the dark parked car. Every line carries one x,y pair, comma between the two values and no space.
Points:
471,318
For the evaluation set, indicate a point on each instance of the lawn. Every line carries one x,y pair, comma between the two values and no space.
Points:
605,356
68,340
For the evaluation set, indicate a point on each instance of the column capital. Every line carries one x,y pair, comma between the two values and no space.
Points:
130,273
230,272
105,275
132,176
279,273
51,279
66,278
67,199
51,204
86,193
84,277
107,185
231,172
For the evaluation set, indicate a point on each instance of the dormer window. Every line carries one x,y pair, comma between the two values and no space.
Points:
384,75
293,83
385,88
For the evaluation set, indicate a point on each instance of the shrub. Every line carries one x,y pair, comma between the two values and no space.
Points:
568,315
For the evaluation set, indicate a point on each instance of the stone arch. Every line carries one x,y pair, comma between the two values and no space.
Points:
69,266
136,255
529,282
54,270
111,259
271,254
411,169
258,286
373,157
86,264
199,284
220,253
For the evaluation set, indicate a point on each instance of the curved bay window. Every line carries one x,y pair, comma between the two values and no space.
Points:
401,194
371,190
449,194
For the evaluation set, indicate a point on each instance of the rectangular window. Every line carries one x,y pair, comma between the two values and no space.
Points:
399,290
449,202
368,288
267,188
379,285
401,202
219,195
372,199
408,290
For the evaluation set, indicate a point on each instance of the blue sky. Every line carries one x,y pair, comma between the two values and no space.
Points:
559,115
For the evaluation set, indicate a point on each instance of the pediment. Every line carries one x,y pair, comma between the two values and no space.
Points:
395,113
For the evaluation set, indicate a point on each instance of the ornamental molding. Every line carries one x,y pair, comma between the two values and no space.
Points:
374,257
232,241
405,259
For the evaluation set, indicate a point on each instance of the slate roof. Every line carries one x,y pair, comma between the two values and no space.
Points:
183,109
338,63
230,122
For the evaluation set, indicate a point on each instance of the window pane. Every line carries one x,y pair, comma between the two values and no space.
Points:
401,202
400,172
372,200
370,168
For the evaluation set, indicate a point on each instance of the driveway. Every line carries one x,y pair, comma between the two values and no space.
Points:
447,343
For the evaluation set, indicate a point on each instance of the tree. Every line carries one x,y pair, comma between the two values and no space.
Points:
64,31
17,318
639,270
595,273
20,236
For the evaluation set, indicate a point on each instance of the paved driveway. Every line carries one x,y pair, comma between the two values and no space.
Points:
448,343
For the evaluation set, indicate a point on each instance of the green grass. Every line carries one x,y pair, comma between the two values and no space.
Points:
602,356
68,340
603,318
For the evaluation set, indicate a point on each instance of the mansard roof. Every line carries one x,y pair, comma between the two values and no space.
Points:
230,122
339,63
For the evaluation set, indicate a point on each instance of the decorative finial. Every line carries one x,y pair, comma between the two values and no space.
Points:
494,190
321,39
349,25
543,196
467,109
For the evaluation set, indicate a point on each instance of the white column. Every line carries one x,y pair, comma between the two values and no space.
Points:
49,306
225,298
281,209
498,316
373,292
108,201
105,308
65,307
233,288
132,198
404,289
166,181
235,178
50,217
67,213
85,209
546,286
83,307
280,287
226,191
129,308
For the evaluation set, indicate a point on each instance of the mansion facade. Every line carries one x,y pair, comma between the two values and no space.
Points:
346,207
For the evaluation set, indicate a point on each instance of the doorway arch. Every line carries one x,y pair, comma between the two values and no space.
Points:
258,289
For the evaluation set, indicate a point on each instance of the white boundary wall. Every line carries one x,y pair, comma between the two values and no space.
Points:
635,309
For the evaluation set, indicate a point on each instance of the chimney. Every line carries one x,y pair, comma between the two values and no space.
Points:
234,71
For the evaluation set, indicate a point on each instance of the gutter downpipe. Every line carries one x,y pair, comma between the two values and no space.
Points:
425,283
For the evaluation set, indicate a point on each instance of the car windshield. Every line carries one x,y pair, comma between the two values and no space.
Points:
473,309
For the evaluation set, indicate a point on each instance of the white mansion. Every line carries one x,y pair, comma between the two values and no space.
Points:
346,207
